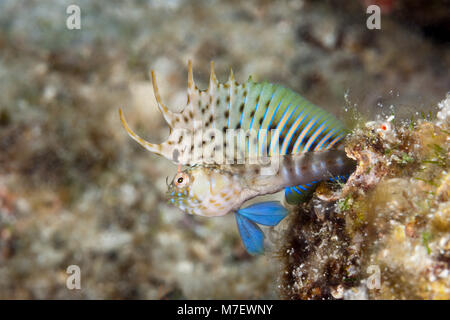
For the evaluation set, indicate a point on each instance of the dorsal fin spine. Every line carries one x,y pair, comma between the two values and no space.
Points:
168,115
245,106
155,148
212,79
191,83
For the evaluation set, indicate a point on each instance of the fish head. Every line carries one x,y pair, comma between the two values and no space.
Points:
205,190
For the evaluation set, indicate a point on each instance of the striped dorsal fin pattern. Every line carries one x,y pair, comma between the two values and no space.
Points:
240,122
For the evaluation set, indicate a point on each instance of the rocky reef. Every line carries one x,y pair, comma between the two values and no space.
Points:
75,190
385,233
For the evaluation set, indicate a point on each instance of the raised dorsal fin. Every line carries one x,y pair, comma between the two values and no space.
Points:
266,119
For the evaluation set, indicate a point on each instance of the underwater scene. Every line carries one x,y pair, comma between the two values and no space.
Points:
195,149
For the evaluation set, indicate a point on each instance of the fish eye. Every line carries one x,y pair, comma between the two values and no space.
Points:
181,180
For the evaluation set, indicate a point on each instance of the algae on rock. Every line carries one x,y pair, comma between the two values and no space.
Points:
386,233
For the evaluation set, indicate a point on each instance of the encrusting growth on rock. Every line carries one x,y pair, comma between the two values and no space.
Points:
386,233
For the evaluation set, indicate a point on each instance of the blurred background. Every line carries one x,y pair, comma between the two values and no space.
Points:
76,190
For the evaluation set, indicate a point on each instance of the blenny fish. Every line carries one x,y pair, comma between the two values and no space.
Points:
240,141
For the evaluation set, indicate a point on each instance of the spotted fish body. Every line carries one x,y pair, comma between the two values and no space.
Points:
223,129
212,190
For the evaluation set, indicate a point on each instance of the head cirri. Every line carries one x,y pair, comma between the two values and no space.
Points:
205,190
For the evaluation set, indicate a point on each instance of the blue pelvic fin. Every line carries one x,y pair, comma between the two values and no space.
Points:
268,213
251,235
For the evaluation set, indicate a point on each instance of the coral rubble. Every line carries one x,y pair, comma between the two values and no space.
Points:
386,233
